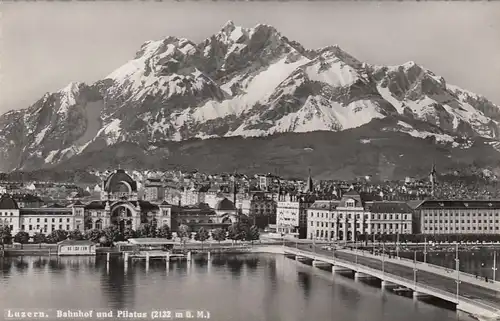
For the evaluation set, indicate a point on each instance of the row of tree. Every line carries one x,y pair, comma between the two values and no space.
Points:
110,234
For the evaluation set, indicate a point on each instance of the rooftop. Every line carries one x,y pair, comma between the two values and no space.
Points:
76,242
151,241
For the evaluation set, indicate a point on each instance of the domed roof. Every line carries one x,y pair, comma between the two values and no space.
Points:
8,203
225,205
119,181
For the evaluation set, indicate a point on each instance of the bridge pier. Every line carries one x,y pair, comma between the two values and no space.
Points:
388,285
359,275
317,263
303,259
341,270
419,295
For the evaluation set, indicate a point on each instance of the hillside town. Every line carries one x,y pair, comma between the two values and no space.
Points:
317,210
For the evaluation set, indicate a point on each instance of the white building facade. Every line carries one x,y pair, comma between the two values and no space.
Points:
291,214
351,217
459,217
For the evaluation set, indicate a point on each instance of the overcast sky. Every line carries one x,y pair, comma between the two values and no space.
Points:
46,45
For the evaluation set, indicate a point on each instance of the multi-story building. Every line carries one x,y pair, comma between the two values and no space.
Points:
172,194
291,211
201,215
459,217
41,219
154,190
193,195
119,206
355,215
261,208
265,181
291,214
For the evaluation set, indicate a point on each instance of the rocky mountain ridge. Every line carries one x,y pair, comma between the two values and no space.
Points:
239,82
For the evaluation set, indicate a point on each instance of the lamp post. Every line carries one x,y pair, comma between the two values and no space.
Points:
425,250
415,270
494,268
356,246
397,244
458,274
383,260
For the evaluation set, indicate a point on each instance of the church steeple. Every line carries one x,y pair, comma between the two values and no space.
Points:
310,185
234,189
432,178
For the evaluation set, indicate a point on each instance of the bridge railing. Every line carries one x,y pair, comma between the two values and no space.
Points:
438,267
377,272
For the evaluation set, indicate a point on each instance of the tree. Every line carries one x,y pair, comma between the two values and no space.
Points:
39,238
113,234
103,240
164,232
93,235
75,235
219,235
5,235
146,230
253,234
129,233
57,236
233,232
22,237
202,235
184,233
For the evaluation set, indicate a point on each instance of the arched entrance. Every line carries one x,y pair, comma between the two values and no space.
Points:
122,216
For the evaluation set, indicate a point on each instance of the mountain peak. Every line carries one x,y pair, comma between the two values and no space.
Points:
409,64
228,26
237,82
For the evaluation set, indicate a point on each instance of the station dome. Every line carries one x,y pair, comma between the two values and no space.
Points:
225,205
119,181
8,203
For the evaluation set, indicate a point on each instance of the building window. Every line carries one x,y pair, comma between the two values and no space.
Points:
67,227
38,220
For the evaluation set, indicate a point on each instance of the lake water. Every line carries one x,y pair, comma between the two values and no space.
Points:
245,287
478,262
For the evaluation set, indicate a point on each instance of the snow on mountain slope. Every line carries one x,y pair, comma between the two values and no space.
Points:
237,82
414,90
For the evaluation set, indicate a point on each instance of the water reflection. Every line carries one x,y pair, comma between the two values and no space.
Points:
118,287
20,264
40,263
57,265
304,280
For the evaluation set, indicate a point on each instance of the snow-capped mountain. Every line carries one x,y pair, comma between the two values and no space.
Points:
238,82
